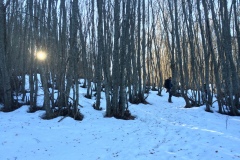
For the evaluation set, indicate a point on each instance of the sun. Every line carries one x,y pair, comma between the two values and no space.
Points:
41,55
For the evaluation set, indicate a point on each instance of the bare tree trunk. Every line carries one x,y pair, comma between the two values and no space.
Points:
122,99
99,54
92,46
84,54
106,55
8,99
207,55
178,51
133,97
115,74
237,28
192,70
143,85
72,77
75,22
172,43
32,43
44,75
62,101
139,67
23,58
231,78
220,96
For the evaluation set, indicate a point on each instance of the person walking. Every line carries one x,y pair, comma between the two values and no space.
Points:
168,86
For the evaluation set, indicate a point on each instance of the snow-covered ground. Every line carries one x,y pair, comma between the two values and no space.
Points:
161,131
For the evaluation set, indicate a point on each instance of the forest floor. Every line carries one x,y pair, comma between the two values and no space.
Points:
161,130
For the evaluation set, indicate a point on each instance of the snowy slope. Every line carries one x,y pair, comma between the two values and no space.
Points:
161,131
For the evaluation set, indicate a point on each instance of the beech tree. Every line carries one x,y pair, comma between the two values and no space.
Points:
6,90
121,47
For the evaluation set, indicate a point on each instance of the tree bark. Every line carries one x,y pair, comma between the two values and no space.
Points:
115,74
99,54
7,90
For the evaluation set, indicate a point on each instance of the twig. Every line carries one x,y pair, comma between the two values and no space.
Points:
73,100
62,118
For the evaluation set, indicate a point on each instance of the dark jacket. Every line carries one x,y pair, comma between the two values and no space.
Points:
168,84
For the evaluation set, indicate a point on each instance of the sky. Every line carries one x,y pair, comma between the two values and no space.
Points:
160,131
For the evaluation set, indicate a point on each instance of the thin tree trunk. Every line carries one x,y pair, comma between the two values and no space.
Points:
220,54
106,54
115,74
99,54
143,85
178,51
8,99
133,98
231,78
207,54
139,67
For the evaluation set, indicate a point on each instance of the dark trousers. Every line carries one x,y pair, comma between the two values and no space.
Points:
170,96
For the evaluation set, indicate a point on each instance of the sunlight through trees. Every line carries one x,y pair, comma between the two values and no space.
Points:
125,48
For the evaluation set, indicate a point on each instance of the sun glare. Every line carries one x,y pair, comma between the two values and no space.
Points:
41,55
